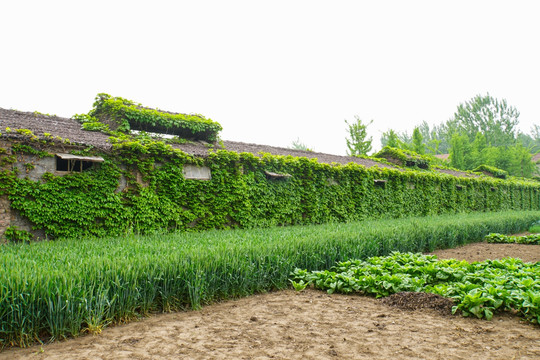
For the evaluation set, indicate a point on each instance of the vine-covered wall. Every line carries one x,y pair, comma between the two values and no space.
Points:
141,188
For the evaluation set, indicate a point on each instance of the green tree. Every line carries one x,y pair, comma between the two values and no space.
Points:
390,138
492,117
418,142
477,151
433,147
519,161
459,151
357,142
535,139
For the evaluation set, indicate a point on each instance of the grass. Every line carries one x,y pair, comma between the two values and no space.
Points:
54,290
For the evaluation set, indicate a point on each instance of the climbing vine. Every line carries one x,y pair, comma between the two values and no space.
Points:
128,115
404,157
156,196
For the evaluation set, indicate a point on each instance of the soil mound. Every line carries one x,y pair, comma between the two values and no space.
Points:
418,300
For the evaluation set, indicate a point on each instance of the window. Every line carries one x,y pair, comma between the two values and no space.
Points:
74,163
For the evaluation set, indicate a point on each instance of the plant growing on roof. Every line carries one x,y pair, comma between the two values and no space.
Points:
404,157
123,115
491,171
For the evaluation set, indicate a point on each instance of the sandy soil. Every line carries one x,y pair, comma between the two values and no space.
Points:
313,325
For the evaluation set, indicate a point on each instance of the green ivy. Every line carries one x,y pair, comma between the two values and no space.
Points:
19,148
13,233
130,115
498,173
240,193
404,157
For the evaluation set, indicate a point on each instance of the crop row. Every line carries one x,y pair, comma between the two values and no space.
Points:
478,289
533,239
52,290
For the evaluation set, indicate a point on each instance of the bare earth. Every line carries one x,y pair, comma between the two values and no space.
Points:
314,325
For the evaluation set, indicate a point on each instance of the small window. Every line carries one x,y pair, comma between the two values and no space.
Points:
276,176
197,172
73,163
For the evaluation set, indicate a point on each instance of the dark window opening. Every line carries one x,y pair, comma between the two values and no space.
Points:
72,165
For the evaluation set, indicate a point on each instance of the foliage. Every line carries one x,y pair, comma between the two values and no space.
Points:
479,289
130,115
533,239
428,140
18,148
492,117
298,145
62,288
515,159
498,173
158,197
357,141
459,152
417,142
85,118
483,130
404,157
390,139
13,233
95,126
535,228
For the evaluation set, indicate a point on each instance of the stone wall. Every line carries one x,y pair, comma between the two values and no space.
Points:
5,216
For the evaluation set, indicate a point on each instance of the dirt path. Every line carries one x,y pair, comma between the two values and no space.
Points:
311,325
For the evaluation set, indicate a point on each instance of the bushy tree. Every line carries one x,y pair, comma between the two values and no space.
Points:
418,142
459,151
390,138
358,142
492,117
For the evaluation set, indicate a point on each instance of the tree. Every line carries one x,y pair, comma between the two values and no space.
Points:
418,142
390,138
535,137
459,151
477,151
298,145
520,161
492,117
357,141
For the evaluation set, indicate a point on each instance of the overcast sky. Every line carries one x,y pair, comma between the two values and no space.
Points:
273,71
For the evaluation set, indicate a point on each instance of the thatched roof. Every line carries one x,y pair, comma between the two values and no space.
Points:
40,124
71,129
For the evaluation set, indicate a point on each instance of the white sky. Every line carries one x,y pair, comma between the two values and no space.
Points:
273,71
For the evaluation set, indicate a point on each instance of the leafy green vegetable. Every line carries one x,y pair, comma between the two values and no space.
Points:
479,289
533,239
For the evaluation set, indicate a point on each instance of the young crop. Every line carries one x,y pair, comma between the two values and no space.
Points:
58,289
479,289
533,239
535,227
